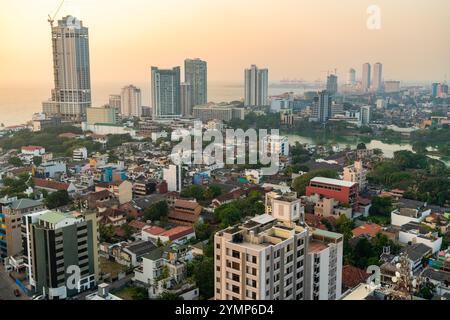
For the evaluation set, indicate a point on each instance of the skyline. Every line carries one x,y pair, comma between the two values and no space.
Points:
224,42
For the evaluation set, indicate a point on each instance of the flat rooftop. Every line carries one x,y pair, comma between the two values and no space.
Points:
334,182
316,246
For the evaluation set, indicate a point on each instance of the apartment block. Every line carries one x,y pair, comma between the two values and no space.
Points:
356,173
323,270
60,244
261,259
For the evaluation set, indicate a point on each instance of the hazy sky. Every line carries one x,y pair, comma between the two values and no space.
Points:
293,38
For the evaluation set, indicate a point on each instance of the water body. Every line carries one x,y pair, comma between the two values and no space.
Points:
387,148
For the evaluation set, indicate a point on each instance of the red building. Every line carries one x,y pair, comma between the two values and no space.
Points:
344,191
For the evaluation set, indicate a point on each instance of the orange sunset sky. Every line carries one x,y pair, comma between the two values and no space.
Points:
293,38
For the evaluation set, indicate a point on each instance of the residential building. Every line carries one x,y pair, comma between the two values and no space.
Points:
50,169
72,92
185,213
34,151
62,244
166,93
322,107
356,173
122,190
413,232
323,267
105,114
172,176
351,77
53,186
329,207
365,115
256,87
12,211
261,259
179,234
196,74
106,129
405,215
79,154
102,294
440,278
274,144
222,112
115,102
131,101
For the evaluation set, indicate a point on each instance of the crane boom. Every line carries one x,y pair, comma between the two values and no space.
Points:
52,19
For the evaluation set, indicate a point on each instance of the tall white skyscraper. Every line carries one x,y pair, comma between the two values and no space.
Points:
366,76
377,77
131,101
71,68
256,87
172,175
351,77
166,93
195,73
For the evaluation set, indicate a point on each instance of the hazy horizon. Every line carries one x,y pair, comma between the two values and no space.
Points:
292,38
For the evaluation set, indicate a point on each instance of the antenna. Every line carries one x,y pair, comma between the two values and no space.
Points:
52,19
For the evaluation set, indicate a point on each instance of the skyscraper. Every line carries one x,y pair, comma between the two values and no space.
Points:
365,115
195,73
377,76
332,84
166,93
72,93
322,107
351,77
256,87
365,82
131,101
186,101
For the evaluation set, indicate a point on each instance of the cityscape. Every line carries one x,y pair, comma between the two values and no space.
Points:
163,191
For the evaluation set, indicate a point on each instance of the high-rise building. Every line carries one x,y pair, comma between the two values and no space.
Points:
322,107
356,173
323,267
261,259
166,93
131,101
351,77
106,114
186,101
256,87
72,92
377,83
391,86
332,84
63,253
115,101
172,176
365,115
366,76
195,73
223,112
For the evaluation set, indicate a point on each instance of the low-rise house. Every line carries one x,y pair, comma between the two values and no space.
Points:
51,169
164,270
130,254
111,217
180,234
52,186
370,229
34,151
413,232
122,190
102,294
352,277
404,215
102,198
185,213
417,253
440,278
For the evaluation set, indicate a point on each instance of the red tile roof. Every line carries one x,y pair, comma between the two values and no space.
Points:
50,184
352,276
32,148
154,230
177,232
369,228
137,224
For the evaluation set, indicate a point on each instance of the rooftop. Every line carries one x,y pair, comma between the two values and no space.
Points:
334,182
24,204
52,217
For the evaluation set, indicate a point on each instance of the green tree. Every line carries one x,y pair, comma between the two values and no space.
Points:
57,199
15,161
107,233
203,274
299,184
381,206
37,161
157,211
169,296
361,146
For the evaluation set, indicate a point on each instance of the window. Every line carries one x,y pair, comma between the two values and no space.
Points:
236,254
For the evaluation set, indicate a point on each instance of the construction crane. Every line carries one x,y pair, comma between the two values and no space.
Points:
52,19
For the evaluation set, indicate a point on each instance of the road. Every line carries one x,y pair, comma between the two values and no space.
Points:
7,286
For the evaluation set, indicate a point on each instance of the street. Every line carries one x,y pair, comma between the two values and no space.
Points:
7,287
